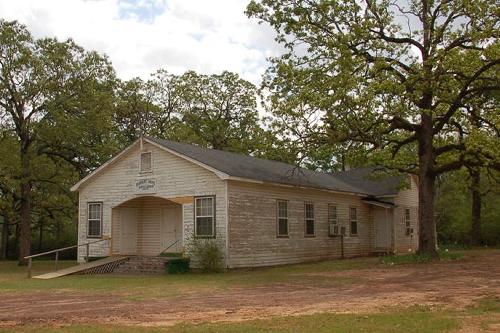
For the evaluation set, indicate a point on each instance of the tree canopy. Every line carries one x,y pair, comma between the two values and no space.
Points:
400,77
409,85
63,112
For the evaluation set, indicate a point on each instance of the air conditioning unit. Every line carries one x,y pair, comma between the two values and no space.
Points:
334,230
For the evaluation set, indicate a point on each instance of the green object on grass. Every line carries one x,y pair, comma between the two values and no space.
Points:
177,266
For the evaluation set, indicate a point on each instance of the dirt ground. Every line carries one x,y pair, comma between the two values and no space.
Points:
446,284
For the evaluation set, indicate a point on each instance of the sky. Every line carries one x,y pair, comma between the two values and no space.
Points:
141,36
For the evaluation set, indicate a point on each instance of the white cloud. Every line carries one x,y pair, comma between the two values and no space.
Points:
144,35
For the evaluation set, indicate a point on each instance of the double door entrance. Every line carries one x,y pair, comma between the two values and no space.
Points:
149,230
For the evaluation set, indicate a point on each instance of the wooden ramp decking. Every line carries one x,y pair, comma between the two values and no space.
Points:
104,265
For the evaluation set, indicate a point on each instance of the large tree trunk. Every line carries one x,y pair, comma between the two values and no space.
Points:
475,235
40,237
25,222
4,244
427,178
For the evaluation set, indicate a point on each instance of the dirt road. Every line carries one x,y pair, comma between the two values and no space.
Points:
445,284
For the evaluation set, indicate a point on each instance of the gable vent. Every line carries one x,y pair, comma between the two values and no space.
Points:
146,162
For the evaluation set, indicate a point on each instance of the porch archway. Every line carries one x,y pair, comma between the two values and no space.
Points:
146,225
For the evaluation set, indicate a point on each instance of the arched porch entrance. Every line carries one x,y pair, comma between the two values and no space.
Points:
146,226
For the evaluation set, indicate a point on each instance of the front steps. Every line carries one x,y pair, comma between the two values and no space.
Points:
142,265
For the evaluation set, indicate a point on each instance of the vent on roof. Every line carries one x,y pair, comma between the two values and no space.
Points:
146,163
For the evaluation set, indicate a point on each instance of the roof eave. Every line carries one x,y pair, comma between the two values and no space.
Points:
220,174
248,180
102,167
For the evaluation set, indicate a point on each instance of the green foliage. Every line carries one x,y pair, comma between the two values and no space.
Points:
206,254
353,72
443,255
410,82
63,113
453,210
53,98
178,265
217,111
220,111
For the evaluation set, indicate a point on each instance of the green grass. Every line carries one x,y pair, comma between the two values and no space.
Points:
444,255
13,279
485,305
408,321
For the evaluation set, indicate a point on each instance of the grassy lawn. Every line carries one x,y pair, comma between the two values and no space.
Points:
415,319
13,279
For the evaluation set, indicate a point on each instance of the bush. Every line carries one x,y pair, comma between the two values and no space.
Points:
206,253
444,255
177,265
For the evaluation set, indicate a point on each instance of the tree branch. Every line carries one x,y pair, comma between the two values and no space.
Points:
463,92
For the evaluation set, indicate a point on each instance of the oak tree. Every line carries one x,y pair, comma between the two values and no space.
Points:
396,75
40,78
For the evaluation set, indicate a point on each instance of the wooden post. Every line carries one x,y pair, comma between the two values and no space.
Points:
57,259
29,268
88,250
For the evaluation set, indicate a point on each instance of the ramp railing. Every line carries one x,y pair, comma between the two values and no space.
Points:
170,246
56,251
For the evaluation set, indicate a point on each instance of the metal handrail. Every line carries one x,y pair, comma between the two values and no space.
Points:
56,251
168,247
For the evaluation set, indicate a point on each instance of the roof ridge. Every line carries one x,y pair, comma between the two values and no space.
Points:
302,170
224,151
250,168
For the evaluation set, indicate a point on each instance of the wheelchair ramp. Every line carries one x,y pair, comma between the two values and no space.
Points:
101,266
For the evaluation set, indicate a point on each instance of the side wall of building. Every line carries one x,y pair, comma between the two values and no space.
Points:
252,230
175,177
406,199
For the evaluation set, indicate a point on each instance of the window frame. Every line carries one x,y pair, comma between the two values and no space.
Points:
278,218
351,220
407,220
140,161
214,207
330,234
101,209
306,219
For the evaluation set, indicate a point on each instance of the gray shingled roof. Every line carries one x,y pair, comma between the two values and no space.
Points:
371,180
238,165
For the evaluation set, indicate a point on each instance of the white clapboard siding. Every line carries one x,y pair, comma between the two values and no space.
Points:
406,198
175,177
252,233
252,238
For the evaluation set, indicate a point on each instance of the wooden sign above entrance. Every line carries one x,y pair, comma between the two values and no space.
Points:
145,185
182,200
